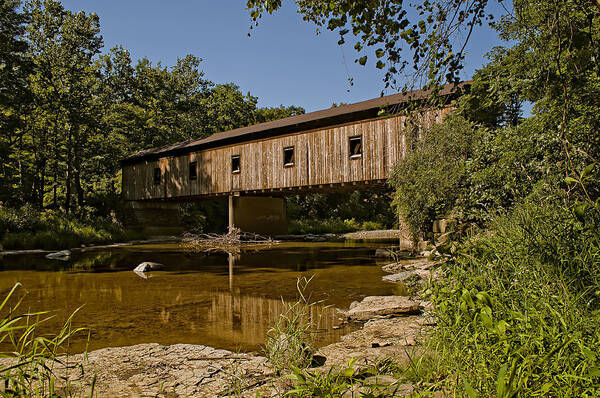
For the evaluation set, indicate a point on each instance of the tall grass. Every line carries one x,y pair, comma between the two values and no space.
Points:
290,341
33,365
519,309
28,228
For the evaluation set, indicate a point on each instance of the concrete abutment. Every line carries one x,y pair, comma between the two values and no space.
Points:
261,215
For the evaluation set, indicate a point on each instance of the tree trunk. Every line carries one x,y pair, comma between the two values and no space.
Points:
78,188
42,187
69,174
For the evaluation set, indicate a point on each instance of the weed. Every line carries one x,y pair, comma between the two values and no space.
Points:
290,341
519,310
30,368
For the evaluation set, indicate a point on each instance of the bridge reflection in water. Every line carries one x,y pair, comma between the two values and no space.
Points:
224,301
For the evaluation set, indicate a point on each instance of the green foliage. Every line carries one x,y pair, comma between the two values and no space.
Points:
427,37
68,114
268,114
358,205
28,228
432,178
329,225
519,307
340,381
33,367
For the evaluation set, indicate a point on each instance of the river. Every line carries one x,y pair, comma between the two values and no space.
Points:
220,300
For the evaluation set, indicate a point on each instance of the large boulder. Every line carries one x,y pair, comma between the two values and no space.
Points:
63,255
382,306
148,266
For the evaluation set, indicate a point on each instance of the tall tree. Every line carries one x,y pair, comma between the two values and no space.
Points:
63,45
14,95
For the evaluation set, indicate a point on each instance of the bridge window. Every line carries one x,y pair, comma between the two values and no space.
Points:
157,175
235,164
193,170
355,146
288,156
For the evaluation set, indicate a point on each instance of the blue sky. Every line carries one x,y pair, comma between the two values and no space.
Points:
283,62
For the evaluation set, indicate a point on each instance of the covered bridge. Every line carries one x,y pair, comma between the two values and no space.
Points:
347,146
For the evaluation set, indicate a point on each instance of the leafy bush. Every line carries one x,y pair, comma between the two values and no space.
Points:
371,226
358,205
431,179
519,308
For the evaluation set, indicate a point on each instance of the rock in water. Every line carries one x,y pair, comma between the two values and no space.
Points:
148,266
61,255
383,306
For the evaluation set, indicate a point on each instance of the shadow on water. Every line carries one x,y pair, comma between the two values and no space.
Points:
222,300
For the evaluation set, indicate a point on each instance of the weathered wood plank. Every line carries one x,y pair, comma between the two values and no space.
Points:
321,157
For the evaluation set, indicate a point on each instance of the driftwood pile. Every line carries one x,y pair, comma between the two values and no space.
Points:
229,242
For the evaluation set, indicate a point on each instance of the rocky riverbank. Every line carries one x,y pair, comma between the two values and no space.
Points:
392,326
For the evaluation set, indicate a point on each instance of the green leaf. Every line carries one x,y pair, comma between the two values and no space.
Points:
470,391
587,171
379,53
571,180
594,372
362,60
580,209
501,381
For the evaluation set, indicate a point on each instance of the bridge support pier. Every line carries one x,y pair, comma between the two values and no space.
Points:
261,215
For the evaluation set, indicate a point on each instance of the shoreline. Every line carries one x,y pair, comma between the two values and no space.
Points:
387,234
394,328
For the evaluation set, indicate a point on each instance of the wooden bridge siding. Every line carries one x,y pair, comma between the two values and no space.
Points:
321,158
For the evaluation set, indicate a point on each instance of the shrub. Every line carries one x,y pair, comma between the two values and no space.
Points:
430,180
331,225
371,226
27,228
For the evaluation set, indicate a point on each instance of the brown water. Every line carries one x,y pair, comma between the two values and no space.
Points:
220,300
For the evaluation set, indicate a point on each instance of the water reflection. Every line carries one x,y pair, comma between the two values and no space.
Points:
223,300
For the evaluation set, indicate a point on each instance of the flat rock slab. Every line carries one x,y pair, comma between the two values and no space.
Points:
63,255
180,370
417,274
399,277
419,264
378,339
382,306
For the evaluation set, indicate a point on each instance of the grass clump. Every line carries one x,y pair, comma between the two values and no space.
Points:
519,309
32,365
359,381
290,342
